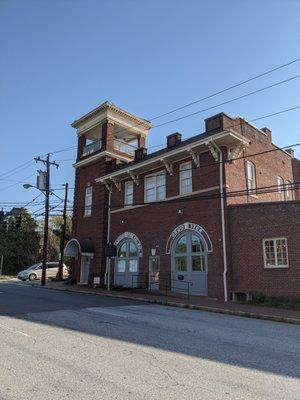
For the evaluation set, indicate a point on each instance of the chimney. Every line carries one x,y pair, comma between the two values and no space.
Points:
291,152
268,132
140,153
173,140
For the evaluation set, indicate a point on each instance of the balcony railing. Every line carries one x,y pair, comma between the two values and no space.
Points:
124,147
92,148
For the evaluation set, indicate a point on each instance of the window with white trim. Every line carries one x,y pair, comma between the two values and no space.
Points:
88,201
251,177
155,187
128,193
288,190
186,180
280,187
275,253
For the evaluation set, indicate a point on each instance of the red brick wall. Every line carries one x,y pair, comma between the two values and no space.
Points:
268,166
94,226
205,177
154,223
249,225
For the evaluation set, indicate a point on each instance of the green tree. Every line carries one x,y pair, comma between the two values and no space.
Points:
20,246
55,225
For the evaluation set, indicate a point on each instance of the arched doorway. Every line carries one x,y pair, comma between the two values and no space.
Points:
189,263
82,252
126,264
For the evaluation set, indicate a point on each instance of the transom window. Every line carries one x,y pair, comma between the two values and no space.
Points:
251,177
128,195
186,181
155,187
189,253
88,201
275,253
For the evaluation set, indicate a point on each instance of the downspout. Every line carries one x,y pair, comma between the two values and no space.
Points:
223,221
107,270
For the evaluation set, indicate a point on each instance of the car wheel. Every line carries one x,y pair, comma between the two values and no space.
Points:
32,277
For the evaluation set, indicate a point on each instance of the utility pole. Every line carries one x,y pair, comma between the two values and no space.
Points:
63,236
48,163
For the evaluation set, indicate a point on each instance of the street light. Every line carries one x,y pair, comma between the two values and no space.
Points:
28,185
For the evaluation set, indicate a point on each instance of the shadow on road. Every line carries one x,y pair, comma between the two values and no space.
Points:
247,343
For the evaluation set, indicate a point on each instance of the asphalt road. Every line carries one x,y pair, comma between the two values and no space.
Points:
60,345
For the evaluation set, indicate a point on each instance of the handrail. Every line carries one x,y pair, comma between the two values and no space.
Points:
165,283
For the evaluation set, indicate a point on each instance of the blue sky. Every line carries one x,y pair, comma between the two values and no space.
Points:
60,59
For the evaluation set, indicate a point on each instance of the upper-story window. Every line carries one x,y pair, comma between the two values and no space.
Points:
251,177
288,190
88,201
186,181
275,253
155,187
280,187
128,194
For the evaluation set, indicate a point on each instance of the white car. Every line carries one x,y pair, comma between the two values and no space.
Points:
35,271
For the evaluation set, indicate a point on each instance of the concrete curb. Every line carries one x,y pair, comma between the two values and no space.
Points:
245,314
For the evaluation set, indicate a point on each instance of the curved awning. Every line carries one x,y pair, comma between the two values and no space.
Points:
76,246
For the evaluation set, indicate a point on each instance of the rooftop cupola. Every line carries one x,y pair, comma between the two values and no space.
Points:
110,129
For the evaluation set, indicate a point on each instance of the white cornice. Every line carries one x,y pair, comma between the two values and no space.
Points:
117,110
97,156
188,147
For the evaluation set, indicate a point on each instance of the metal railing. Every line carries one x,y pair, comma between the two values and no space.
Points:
124,147
166,285
92,148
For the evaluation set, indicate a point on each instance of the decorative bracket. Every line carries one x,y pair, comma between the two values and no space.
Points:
236,152
195,157
108,186
168,166
135,178
213,149
117,184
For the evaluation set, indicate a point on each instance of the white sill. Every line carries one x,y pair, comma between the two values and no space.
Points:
277,267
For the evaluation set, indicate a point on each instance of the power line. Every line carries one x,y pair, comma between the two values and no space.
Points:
216,93
12,171
208,97
228,101
244,156
226,89
235,193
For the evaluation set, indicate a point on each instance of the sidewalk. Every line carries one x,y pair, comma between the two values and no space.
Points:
195,302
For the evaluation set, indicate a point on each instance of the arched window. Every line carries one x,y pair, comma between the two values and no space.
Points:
251,177
126,266
189,253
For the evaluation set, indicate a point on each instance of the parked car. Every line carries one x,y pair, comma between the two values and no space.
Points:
35,271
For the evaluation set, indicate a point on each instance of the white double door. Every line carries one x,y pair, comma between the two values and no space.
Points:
126,265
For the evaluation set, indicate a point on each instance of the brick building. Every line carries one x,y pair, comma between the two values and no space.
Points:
216,214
